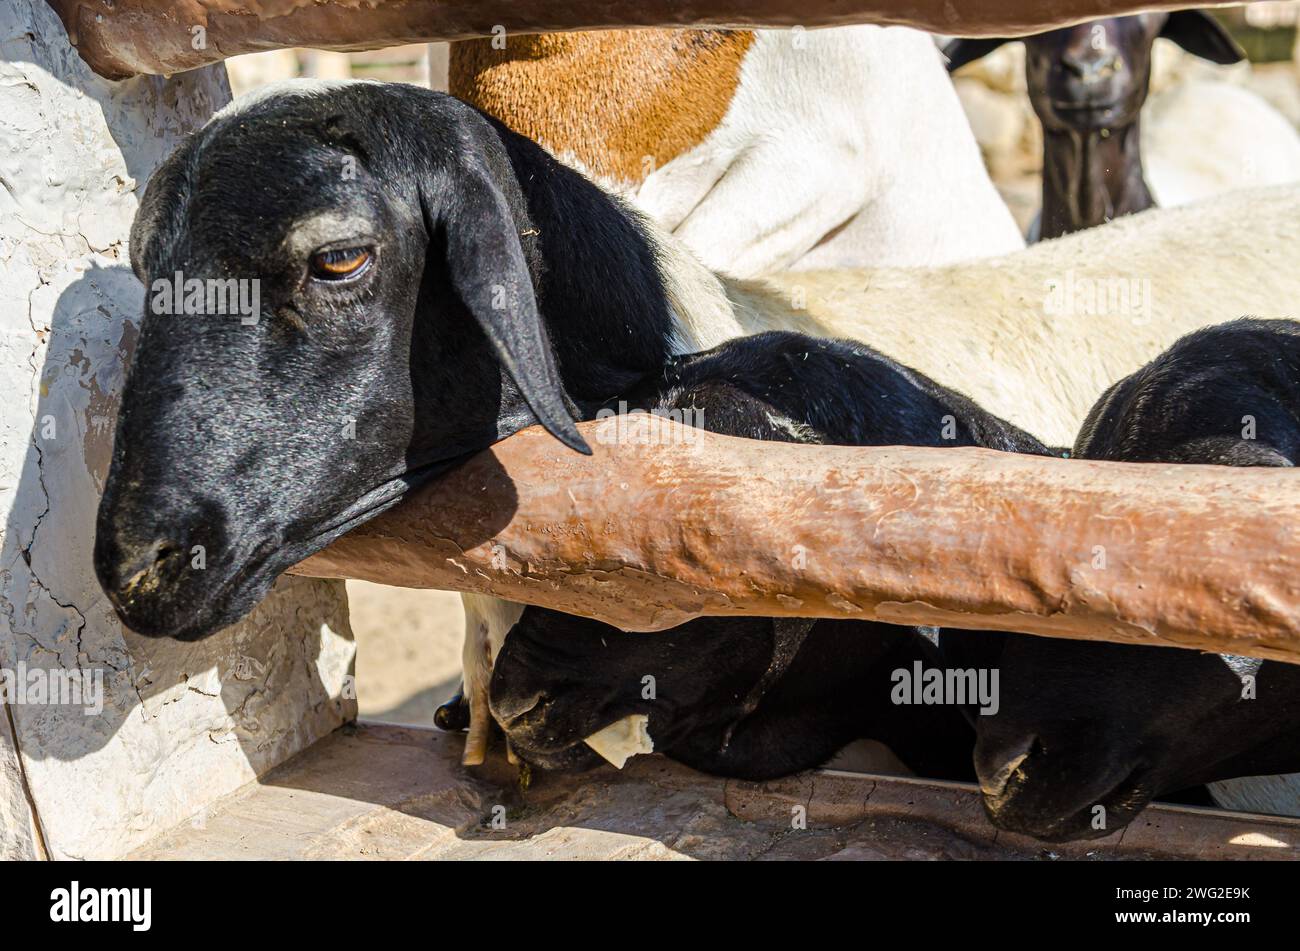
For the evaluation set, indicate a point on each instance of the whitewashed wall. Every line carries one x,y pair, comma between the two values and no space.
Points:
181,723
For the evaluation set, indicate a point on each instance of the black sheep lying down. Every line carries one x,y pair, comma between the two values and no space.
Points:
1087,734
754,697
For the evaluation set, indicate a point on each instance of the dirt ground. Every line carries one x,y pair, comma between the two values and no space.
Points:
408,650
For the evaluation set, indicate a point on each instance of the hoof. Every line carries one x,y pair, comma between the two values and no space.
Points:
453,716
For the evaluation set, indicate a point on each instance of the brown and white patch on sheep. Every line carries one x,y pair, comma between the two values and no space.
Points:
545,86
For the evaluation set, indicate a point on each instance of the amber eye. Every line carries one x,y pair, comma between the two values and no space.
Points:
339,265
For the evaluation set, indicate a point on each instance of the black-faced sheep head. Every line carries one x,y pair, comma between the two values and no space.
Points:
754,698
1087,734
318,263
559,679
1096,75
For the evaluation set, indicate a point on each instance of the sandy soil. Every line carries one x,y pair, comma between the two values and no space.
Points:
408,650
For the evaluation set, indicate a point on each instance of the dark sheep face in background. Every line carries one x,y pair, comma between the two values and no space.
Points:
386,275
1093,75
1096,75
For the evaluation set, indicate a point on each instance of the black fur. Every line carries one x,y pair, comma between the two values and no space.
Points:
1116,725
493,267
561,678
493,270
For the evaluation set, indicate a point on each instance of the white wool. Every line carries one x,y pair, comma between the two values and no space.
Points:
991,329
285,88
841,148
1204,137
703,315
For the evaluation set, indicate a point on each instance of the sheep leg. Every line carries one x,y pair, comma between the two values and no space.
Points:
480,721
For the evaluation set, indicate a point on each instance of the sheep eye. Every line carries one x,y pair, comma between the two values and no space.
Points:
339,265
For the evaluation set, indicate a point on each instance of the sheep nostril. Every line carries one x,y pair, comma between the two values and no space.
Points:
1092,69
997,771
144,572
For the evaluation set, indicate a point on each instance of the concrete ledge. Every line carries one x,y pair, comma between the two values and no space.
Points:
383,792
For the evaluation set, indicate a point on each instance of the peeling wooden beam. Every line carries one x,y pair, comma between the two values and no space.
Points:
121,38
665,523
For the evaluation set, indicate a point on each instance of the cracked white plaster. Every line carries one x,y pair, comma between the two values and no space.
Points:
182,724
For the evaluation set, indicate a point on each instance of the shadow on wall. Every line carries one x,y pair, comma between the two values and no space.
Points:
156,728
258,685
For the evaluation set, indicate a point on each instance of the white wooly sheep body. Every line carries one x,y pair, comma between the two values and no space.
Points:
1205,137
840,148
1035,336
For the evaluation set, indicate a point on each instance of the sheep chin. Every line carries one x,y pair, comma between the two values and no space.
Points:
622,739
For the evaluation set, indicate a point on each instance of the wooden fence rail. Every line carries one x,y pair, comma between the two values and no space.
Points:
665,523
120,38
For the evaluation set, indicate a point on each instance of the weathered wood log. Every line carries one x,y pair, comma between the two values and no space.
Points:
665,523
120,38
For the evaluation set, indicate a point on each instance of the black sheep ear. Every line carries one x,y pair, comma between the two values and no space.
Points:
153,226
1202,35
487,268
963,51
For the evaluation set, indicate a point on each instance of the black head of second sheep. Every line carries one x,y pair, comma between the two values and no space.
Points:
1087,84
